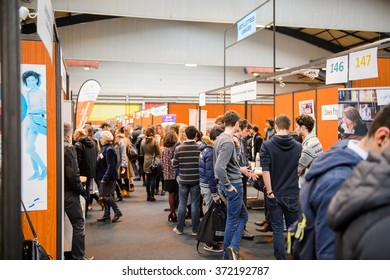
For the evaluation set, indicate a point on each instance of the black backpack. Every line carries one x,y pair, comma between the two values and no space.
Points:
212,227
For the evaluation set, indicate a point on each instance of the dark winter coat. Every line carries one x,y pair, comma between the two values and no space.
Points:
107,164
86,156
360,211
206,167
71,170
330,170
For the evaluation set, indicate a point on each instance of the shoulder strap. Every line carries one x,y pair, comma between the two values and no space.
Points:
29,221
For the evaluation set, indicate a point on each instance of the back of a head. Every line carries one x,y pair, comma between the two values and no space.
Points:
67,128
191,132
255,128
106,137
231,118
283,122
382,119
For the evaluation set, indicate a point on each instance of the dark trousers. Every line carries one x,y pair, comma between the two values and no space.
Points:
75,214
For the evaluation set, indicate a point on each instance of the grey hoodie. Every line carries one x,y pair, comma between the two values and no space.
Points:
226,168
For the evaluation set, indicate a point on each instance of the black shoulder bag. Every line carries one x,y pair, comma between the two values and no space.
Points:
32,249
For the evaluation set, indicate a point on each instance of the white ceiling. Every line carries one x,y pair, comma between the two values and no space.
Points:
143,54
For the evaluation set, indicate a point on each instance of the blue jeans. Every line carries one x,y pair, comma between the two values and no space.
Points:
277,207
237,216
184,191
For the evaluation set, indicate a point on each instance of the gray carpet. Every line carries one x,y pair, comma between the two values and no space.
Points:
144,233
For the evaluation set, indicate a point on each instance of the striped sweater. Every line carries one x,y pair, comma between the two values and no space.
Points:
186,159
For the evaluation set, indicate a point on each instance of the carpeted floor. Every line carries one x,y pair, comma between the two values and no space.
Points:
144,233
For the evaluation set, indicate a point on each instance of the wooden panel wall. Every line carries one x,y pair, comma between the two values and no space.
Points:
383,76
34,52
326,130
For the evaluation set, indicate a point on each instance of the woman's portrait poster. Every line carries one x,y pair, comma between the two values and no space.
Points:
34,140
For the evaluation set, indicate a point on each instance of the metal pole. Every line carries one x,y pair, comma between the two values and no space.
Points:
10,182
224,72
274,50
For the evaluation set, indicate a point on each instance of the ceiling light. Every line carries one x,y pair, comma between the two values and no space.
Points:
190,65
255,74
87,67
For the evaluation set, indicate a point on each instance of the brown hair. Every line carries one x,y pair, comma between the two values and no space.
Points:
283,122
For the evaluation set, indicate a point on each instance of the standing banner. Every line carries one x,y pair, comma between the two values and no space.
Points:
86,99
34,139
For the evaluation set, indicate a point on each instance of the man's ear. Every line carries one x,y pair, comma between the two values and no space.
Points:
382,137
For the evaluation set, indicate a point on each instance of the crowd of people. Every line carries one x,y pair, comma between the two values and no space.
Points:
198,170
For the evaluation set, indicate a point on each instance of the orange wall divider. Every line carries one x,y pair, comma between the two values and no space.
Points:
44,221
284,105
326,130
256,113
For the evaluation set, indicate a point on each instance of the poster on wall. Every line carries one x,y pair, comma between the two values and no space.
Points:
34,136
306,107
330,112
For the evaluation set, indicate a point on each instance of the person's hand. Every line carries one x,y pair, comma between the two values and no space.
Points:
231,189
345,127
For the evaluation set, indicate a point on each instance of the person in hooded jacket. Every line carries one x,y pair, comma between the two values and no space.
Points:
359,212
326,176
86,158
279,161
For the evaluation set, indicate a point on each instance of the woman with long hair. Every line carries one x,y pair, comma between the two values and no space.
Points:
150,149
352,125
170,183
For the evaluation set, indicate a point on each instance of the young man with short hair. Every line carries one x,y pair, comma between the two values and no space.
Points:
311,146
227,172
279,162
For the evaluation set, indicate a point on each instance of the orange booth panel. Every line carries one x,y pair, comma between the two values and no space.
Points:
44,221
326,130
284,105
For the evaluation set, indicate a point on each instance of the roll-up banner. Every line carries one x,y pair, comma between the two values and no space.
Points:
86,99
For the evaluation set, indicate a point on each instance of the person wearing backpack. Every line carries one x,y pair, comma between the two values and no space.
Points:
208,185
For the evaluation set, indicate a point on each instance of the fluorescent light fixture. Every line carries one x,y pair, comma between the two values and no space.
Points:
190,65
255,74
87,67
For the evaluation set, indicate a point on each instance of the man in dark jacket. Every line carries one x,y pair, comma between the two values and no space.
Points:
359,212
329,171
279,161
73,189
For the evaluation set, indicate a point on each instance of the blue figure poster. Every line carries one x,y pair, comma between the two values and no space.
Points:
34,136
